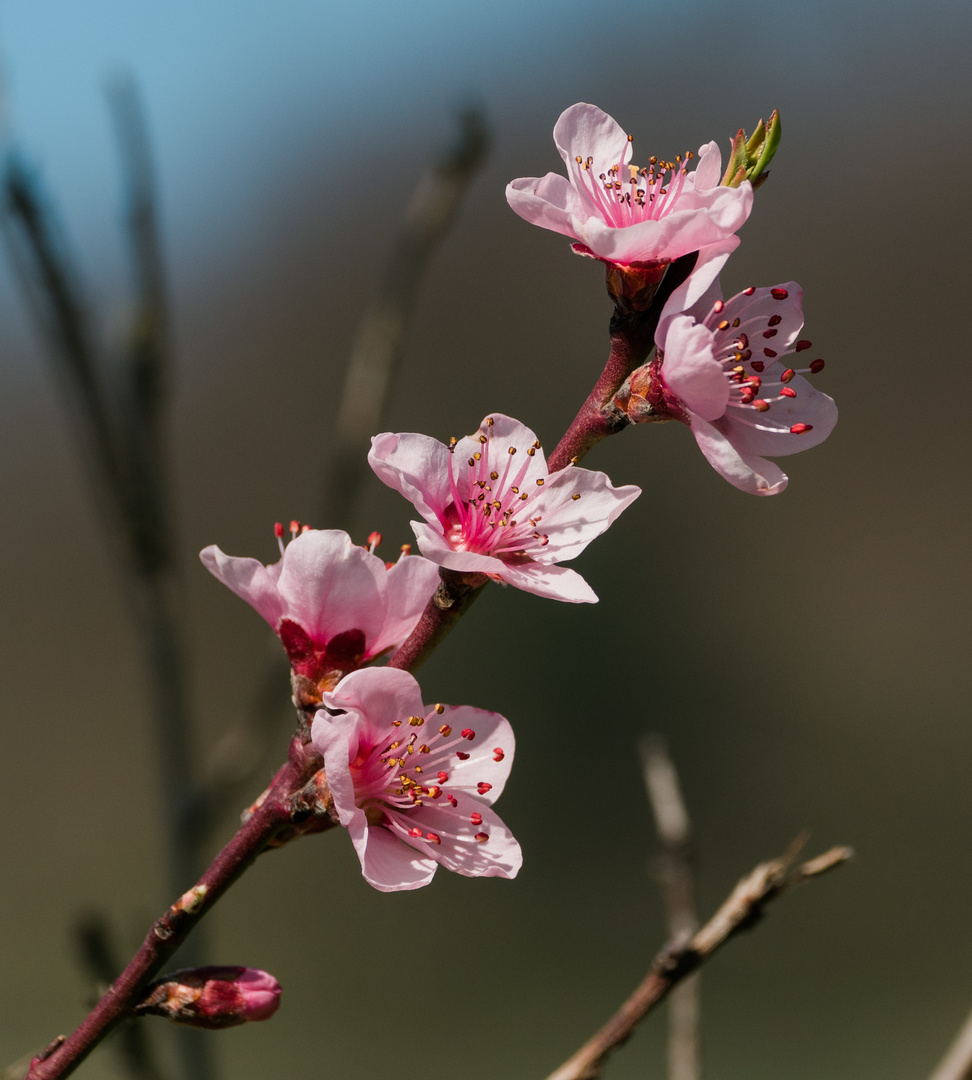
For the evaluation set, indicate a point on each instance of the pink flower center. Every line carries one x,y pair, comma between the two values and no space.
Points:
494,508
626,194
412,765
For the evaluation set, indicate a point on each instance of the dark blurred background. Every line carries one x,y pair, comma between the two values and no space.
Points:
805,656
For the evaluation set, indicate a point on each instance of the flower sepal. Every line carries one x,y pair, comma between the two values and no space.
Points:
751,156
632,286
645,399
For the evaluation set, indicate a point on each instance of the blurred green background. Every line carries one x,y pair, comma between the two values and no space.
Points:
806,656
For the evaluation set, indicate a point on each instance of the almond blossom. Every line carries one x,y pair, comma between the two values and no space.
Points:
720,367
334,605
414,784
624,213
492,507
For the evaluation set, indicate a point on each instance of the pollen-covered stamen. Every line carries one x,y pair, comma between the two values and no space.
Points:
626,194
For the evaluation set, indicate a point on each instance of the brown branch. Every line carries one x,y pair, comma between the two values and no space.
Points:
957,1062
285,809
678,893
678,959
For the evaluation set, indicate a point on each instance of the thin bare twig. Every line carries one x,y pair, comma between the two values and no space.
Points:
678,892
678,959
957,1062
380,341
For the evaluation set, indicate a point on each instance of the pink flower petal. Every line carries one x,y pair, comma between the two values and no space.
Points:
417,467
389,865
548,201
584,131
691,371
748,473
551,582
249,579
457,847
410,584
329,585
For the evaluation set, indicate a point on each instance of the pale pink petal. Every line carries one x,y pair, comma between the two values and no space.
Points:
749,473
333,742
571,524
456,846
708,172
329,585
376,692
483,756
691,371
389,865
410,584
548,201
418,467
249,579
769,432
552,582
435,548
584,131
696,295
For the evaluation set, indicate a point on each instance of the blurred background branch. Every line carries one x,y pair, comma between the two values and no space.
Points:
380,340
678,894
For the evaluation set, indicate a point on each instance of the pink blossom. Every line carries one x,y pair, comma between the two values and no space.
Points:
214,997
333,605
414,784
721,369
491,507
621,213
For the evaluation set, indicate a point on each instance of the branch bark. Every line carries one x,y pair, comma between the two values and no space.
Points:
678,959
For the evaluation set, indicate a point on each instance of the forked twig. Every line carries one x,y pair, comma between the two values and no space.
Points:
678,959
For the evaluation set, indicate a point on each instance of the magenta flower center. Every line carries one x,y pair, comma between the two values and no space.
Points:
626,194
413,765
494,509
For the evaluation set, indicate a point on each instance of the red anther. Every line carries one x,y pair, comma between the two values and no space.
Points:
717,307
770,333
770,353
468,733
801,345
817,365
442,777
779,294
462,756
295,526
481,837
747,396
760,406
743,340
414,831
787,375
406,549
374,539
788,391
482,787
445,731
305,528
758,365
452,799
476,819
755,382
723,325
433,792
800,429
498,754
749,291
435,839
775,320
389,565
278,530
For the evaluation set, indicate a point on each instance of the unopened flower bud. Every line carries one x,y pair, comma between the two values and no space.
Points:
751,157
213,997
